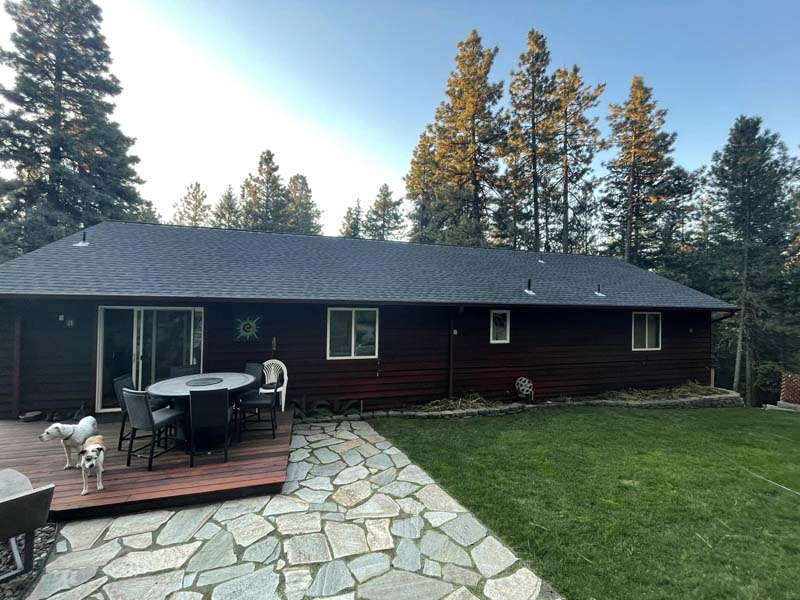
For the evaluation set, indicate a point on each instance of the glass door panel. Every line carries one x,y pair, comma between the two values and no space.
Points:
147,343
117,358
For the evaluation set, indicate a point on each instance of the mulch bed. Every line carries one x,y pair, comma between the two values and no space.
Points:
18,587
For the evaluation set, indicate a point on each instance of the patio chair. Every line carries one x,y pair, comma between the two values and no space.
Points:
184,370
265,399
276,372
157,423
23,512
126,381
209,422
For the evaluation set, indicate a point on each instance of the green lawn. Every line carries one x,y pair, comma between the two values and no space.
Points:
629,503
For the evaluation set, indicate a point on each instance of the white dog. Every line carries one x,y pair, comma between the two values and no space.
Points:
71,436
92,456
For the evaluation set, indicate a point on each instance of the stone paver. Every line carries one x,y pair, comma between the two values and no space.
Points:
356,519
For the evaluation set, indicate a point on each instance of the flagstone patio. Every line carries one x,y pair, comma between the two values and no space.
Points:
356,519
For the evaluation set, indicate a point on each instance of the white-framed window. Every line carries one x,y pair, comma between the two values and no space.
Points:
646,331
499,326
352,333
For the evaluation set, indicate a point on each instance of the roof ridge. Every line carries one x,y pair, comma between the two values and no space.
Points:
368,240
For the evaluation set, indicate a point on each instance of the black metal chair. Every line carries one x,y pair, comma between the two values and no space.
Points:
184,370
157,423
209,422
121,383
254,404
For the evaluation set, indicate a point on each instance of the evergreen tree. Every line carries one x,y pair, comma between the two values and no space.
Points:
384,218
227,213
468,131
193,208
531,131
353,222
71,162
637,172
147,213
576,139
512,216
421,190
751,180
265,199
304,214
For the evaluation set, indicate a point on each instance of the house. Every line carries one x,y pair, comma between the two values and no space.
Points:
383,323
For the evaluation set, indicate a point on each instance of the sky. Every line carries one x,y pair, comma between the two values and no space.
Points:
340,91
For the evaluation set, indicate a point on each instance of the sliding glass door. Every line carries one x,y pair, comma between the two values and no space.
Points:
146,343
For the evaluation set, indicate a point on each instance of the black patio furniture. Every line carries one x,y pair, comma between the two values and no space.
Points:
209,422
184,370
251,407
121,383
158,423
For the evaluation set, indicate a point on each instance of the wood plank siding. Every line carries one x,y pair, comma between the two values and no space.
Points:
566,351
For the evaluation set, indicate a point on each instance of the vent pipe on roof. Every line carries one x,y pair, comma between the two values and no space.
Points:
541,258
598,293
83,241
528,289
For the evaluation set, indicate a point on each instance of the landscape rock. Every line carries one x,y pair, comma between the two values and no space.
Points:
522,585
215,553
137,523
184,524
345,539
370,565
307,549
404,585
491,557
83,534
155,587
259,585
151,561
332,578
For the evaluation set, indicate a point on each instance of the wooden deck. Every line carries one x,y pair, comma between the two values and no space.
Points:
257,465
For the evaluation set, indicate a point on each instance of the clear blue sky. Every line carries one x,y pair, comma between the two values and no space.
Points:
340,90
377,70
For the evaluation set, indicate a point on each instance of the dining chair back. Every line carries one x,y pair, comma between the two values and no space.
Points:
276,372
121,383
159,424
23,513
139,412
209,422
184,370
257,371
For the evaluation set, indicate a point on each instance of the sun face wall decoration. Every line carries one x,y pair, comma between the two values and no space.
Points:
246,328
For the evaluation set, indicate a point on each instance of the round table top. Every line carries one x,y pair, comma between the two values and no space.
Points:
13,482
179,387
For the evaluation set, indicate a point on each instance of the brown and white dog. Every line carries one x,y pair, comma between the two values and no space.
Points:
71,436
92,457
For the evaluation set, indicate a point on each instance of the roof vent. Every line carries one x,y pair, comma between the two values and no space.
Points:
541,258
598,293
528,289
83,241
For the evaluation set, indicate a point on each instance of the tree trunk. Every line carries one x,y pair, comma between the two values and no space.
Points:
565,185
629,218
737,368
535,175
748,376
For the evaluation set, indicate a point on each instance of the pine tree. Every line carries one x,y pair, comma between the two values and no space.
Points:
265,199
227,213
352,223
637,172
71,161
752,179
576,139
512,216
304,214
384,218
468,131
421,190
531,129
193,208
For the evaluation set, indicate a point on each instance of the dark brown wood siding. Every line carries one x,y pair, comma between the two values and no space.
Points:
7,344
578,352
412,346
565,352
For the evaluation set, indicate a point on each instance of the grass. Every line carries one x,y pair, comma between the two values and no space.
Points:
629,503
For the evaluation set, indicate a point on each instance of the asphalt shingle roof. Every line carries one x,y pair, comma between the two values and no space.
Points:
140,260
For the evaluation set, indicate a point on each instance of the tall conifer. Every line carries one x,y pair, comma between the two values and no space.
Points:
72,164
227,213
193,208
384,218
303,212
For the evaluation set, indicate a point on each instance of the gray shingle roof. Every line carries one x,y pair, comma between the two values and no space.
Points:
140,260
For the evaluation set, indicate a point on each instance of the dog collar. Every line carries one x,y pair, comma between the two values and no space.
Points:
70,435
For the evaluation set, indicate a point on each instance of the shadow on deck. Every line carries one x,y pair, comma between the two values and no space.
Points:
257,465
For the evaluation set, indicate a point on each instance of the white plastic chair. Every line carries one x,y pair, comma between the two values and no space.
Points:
273,369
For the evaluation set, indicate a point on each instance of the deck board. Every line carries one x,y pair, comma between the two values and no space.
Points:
257,465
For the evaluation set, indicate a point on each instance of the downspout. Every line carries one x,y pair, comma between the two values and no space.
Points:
451,356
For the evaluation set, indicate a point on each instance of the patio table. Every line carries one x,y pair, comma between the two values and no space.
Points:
182,387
